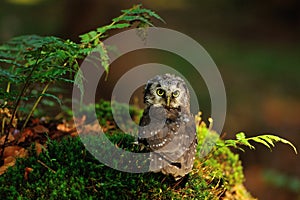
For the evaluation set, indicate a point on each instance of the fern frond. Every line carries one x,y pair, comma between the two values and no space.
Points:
135,14
270,140
140,10
267,140
103,29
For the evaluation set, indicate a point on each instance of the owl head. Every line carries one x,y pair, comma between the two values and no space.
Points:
168,91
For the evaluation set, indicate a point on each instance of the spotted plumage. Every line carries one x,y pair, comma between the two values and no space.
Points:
167,127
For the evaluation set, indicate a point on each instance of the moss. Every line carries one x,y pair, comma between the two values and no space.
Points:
66,170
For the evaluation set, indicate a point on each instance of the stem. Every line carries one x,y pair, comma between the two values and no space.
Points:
44,165
35,105
5,103
3,125
10,125
8,87
7,90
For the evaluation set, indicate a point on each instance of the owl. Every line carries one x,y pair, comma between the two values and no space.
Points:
167,127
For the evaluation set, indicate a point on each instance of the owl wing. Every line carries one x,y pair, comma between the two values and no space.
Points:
174,148
151,128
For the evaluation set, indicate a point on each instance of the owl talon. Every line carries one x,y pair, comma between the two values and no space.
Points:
176,165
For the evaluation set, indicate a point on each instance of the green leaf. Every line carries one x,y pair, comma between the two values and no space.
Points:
8,75
85,51
270,139
143,11
132,18
232,143
259,140
52,96
240,136
12,62
88,37
229,143
65,80
103,29
246,143
267,140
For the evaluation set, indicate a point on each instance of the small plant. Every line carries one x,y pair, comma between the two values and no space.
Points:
267,140
31,64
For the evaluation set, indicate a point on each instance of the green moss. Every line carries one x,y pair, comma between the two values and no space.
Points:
66,170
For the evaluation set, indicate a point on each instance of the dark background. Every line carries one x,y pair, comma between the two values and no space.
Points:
255,44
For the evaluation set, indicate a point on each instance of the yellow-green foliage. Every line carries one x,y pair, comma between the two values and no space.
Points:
267,140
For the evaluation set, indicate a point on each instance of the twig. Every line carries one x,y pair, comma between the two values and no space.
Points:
35,105
42,163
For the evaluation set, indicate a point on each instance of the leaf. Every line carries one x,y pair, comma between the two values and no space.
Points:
270,139
10,138
144,11
24,135
65,80
103,29
38,148
240,136
52,96
40,129
88,37
27,171
246,143
259,140
65,127
241,140
8,162
78,81
132,18
267,140
10,62
231,143
14,151
8,75
86,51
103,56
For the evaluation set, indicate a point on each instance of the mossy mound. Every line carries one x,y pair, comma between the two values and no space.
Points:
66,170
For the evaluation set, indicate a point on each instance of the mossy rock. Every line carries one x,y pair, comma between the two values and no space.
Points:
66,170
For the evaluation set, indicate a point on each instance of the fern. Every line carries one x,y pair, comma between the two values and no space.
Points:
267,140
91,41
141,16
30,64
142,11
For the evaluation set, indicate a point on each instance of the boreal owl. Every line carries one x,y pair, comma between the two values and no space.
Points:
167,127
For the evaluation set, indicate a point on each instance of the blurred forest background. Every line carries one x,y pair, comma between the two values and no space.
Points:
255,44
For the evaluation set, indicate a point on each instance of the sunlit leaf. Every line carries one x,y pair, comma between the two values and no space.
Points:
240,136
271,139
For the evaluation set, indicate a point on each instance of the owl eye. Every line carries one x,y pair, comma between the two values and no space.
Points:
160,92
175,93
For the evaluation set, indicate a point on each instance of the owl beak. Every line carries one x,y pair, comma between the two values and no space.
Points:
168,101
